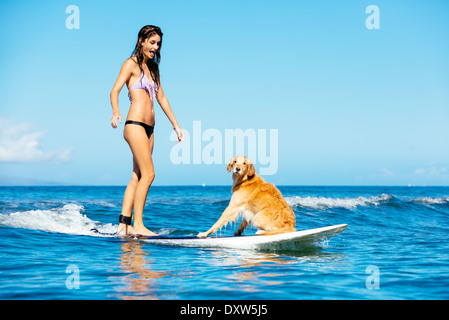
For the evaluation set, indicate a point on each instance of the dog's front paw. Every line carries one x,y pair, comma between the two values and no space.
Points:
202,235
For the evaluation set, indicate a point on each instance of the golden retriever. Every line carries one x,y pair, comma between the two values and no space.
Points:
259,203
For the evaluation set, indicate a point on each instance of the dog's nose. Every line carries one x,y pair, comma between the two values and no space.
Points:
237,169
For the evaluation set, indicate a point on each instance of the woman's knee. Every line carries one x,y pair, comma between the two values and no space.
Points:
147,178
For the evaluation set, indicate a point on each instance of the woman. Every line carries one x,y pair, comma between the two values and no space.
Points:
141,75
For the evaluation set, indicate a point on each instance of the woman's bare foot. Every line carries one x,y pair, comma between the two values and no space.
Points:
140,230
122,230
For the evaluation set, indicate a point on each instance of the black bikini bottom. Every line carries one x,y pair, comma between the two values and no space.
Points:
148,129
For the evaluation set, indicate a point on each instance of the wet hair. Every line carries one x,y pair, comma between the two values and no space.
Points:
152,64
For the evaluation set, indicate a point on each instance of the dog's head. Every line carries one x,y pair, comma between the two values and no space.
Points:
241,167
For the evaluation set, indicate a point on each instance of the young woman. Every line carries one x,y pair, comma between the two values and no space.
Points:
141,75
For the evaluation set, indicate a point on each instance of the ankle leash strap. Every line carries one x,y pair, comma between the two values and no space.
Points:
125,220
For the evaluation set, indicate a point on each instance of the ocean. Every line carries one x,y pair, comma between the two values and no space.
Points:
396,246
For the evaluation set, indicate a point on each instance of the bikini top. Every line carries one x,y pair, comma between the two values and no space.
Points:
144,83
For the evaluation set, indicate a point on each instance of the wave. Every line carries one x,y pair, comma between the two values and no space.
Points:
68,219
321,203
431,200
348,203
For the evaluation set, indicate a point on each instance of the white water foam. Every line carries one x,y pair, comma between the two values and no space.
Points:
430,200
67,219
348,203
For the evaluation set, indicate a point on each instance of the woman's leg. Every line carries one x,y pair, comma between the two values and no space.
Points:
141,148
128,199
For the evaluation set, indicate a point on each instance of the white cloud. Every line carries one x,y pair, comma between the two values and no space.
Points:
433,171
431,174
20,143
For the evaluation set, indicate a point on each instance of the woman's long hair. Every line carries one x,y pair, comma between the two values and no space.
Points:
152,64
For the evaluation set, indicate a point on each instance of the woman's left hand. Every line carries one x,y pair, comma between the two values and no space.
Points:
180,134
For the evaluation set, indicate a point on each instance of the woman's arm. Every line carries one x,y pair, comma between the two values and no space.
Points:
123,77
163,102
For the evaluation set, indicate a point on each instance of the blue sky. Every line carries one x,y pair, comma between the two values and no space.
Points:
350,105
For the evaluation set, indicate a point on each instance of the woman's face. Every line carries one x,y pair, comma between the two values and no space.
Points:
151,45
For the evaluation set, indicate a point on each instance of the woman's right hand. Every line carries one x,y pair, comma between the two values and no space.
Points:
114,119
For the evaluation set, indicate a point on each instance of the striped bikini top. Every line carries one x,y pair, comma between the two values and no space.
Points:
145,84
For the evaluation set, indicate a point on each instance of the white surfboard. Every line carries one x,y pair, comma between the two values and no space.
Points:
285,241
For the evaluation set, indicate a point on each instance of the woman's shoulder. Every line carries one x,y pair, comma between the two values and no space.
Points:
131,65
132,60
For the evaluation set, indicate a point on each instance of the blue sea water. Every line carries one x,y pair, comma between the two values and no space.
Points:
396,246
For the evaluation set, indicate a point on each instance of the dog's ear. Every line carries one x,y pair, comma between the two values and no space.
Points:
230,165
251,170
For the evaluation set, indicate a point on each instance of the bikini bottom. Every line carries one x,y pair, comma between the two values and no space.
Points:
148,129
